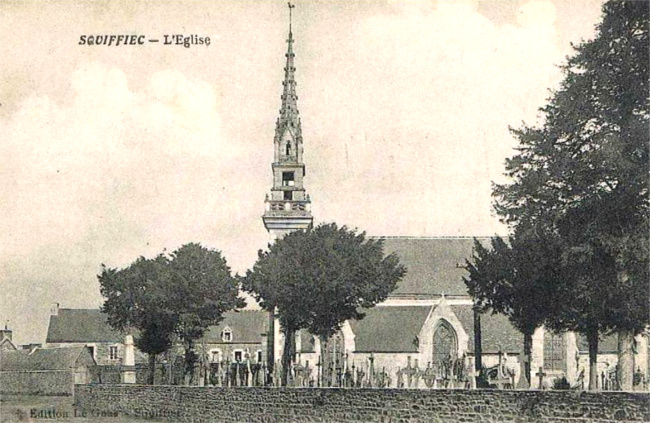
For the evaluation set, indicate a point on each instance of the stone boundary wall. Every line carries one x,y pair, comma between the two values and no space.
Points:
37,382
270,405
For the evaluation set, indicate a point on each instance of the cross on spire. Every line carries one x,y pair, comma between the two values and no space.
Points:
291,6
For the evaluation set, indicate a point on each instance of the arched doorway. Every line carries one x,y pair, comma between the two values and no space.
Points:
445,348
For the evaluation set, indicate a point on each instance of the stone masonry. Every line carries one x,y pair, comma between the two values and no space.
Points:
269,405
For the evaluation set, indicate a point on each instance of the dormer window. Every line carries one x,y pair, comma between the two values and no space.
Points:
226,335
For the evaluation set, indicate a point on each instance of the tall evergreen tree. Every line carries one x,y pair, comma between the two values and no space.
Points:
584,173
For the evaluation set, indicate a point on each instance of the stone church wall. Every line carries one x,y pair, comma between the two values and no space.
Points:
269,405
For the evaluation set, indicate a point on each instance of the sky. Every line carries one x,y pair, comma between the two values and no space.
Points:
111,153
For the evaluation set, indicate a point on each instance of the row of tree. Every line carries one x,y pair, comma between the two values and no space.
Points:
577,203
313,280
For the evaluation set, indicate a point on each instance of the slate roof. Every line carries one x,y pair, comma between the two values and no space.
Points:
91,325
81,325
42,359
431,263
247,327
607,344
389,328
497,333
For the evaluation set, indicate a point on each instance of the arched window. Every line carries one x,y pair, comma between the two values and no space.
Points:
445,345
288,148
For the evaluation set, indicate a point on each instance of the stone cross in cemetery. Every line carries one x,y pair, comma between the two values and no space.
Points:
523,380
416,374
371,369
429,376
540,374
409,371
472,374
400,378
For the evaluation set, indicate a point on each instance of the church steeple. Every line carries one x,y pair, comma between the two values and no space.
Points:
288,208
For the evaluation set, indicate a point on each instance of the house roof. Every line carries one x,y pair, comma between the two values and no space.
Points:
607,344
247,327
81,325
44,359
497,333
432,264
91,325
389,329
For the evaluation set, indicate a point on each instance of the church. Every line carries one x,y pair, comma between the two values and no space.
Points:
427,323
429,318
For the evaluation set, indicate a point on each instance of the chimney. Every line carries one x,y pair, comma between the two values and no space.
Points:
54,309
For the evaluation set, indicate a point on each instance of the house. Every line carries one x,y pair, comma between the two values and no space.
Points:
86,328
45,371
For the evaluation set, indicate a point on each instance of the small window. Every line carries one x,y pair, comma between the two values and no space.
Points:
238,356
215,356
259,356
112,352
287,179
226,335
288,195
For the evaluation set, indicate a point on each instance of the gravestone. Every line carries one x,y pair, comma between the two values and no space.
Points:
540,375
523,381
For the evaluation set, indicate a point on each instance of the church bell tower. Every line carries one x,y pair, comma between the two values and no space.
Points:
288,208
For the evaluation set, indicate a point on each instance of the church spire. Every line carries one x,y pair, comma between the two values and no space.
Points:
288,120
288,208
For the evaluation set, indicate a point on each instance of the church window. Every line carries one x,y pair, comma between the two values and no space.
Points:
226,335
288,195
554,352
287,179
287,150
444,346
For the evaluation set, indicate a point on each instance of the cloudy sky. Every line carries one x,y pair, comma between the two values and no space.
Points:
109,153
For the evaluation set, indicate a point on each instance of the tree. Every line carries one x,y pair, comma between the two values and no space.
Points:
319,278
518,278
178,296
201,289
583,173
135,299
